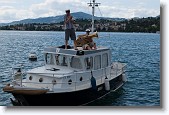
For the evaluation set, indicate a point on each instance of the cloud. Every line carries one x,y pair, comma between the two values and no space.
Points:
56,7
11,10
7,2
124,12
9,14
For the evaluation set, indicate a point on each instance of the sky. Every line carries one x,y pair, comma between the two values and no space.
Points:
14,10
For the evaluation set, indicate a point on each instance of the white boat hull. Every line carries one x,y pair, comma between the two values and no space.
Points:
81,97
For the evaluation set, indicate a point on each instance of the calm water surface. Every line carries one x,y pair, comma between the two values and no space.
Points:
140,51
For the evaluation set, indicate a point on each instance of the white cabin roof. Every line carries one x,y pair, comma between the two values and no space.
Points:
47,70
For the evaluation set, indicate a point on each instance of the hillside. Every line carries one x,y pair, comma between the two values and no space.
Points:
57,19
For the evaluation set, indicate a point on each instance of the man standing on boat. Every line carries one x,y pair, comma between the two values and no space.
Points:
69,29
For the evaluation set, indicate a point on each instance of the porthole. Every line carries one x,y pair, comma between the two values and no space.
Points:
41,80
30,77
70,82
54,82
81,78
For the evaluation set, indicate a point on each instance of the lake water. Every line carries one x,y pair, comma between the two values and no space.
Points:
140,51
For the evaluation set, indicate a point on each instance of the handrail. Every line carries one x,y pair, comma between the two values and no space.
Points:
62,82
76,73
101,76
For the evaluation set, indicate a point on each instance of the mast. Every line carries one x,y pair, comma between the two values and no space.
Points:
93,5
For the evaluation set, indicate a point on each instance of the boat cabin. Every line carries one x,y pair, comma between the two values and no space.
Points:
71,70
77,59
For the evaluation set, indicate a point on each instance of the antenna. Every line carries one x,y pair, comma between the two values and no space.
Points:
93,5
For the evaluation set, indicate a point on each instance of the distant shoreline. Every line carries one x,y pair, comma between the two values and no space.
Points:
79,31
145,25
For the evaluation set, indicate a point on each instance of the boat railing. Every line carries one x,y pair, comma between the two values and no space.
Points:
118,68
113,66
51,85
115,70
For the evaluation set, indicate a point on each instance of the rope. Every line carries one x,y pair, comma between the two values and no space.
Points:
100,12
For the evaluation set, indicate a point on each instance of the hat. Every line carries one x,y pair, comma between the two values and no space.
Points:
87,30
67,10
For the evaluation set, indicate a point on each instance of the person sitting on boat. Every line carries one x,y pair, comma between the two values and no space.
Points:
90,44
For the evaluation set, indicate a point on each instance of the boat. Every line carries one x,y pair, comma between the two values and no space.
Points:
32,56
69,78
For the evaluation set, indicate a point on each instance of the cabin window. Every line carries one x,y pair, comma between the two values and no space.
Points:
49,59
97,62
89,62
104,60
61,60
75,63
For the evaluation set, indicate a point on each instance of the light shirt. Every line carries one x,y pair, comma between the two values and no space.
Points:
68,25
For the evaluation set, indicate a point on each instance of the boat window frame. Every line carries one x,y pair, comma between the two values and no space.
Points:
60,61
90,62
106,60
51,59
96,62
80,63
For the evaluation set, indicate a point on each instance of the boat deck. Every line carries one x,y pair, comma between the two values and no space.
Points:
48,71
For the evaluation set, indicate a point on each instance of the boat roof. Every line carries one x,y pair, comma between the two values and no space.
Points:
49,72
72,51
